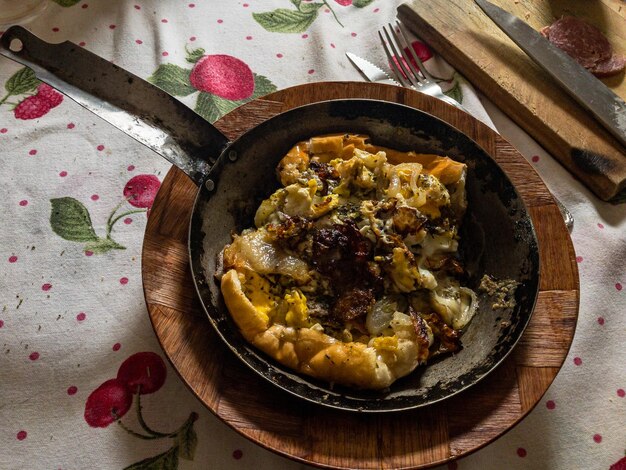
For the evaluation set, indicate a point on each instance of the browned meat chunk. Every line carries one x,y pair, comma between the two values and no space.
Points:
353,304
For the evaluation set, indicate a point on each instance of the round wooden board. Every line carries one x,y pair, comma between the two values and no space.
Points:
329,438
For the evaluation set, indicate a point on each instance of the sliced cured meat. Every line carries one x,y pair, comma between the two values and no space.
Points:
586,44
579,39
612,66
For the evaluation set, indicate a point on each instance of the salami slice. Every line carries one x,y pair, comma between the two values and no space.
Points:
579,39
612,66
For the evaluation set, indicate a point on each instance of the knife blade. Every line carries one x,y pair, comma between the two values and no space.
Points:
608,108
372,72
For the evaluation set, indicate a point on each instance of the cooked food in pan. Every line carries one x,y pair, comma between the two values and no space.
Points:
352,274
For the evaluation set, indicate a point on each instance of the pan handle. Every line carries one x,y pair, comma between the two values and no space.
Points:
139,109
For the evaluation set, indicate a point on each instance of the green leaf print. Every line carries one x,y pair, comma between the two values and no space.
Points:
361,3
262,86
172,79
309,7
165,461
187,440
67,3
22,81
212,107
102,245
282,20
70,220
194,55
455,92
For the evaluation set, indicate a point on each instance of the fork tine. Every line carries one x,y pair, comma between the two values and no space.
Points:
392,64
418,61
398,60
414,74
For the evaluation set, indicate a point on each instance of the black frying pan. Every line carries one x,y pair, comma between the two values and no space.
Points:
498,237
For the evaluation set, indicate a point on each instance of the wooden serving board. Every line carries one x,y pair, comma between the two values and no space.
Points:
321,436
461,33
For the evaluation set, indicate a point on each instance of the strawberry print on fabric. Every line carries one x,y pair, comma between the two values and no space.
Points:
298,19
39,97
142,373
71,220
223,82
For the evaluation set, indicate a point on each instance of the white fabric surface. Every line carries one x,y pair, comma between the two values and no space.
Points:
70,314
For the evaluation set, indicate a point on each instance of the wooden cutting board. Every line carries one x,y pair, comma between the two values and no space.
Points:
331,438
461,33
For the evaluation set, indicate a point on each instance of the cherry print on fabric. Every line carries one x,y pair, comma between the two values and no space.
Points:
34,98
71,220
299,18
107,403
143,372
21,435
223,82
141,190
140,374
597,438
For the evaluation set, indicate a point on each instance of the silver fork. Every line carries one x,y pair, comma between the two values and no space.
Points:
404,70
409,77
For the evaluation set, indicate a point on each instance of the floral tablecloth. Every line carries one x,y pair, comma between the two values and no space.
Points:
75,336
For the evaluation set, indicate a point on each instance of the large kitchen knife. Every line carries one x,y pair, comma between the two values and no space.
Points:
608,108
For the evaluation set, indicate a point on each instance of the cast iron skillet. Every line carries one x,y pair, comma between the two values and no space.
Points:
498,237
